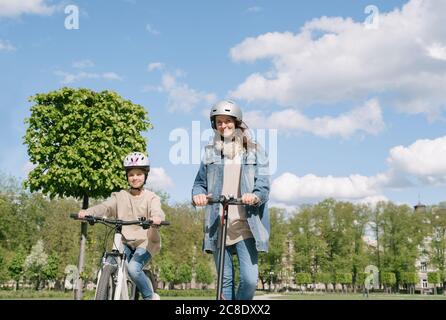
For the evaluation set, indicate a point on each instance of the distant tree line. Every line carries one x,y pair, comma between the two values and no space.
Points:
328,243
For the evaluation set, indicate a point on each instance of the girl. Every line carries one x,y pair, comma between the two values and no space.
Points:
132,204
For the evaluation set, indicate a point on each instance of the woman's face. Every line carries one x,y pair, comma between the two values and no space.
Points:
136,177
225,125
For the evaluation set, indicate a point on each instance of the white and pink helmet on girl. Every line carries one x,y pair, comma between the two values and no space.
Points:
136,160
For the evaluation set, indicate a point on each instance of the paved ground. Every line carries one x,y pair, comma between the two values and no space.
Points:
267,296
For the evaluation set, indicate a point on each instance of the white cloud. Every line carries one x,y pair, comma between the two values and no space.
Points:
155,66
291,189
424,159
367,118
28,167
372,200
83,64
75,77
15,8
254,9
111,76
5,45
336,59
437,51
151,30
159,180
180,96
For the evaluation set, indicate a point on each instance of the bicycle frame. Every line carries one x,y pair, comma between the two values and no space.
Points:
113,273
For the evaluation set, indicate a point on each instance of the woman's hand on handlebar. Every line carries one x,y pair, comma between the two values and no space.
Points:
250,199
201,199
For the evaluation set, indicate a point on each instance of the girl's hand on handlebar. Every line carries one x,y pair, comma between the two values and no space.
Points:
82,214
250,199
201,199
156,221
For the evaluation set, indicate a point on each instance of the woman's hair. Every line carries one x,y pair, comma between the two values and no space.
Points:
248,144
242,137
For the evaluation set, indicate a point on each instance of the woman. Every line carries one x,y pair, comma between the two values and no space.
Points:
132,204
234,165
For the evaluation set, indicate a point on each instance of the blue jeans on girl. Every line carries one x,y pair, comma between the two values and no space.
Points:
137,259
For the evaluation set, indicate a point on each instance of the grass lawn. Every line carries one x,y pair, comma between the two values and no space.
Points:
33,294
357,296
209,295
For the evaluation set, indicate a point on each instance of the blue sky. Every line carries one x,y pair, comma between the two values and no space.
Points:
356,96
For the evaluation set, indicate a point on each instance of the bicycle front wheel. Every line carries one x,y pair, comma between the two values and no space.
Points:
106,284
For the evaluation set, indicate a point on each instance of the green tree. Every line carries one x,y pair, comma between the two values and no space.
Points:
9,185
60,235
168,270
204,274
180,241
272,260
388,279
303,278
325,278
437,252
434,278
35,263
183,274
345,279
409,279
16,266
310,248
51,271
402,235
360,279
76,139
3,268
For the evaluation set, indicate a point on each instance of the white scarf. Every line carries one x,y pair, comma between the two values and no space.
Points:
229,147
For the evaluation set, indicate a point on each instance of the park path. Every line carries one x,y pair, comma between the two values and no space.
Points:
269,296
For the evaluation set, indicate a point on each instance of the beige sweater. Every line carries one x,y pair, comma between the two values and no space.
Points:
238,227
123,205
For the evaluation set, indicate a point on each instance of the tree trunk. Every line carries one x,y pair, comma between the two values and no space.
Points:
78,291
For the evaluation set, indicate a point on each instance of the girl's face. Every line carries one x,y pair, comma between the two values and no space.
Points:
225,125
135,177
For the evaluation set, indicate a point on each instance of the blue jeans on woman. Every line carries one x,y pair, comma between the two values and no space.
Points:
247,256
137,259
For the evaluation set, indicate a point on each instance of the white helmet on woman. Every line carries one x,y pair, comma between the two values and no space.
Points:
227,108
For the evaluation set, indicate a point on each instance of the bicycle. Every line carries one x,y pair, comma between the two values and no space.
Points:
113,281
225,202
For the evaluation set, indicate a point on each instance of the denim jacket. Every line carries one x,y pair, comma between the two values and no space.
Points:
254,178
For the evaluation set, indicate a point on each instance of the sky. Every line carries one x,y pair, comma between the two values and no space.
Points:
347,97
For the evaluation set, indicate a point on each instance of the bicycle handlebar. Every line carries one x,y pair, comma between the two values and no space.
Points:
92,220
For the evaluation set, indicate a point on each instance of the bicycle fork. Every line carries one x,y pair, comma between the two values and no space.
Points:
121,291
